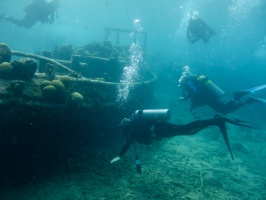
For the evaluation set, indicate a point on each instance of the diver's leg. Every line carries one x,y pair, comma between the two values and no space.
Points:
232,106
17,22
26,22
219,106
167,130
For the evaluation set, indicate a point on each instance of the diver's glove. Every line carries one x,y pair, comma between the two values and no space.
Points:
115,159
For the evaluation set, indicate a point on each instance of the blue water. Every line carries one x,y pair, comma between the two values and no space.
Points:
234,59
238,46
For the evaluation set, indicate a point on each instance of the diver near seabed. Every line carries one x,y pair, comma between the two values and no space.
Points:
144,126
197,29
39,10
202,91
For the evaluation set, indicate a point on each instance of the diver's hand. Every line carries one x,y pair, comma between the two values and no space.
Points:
115,159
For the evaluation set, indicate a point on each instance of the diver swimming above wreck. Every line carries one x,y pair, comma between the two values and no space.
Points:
197,29
39,10
202,91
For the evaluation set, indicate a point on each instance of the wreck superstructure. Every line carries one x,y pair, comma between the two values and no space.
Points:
45,91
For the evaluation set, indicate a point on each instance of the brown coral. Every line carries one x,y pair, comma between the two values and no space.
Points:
5,53
24,68
5,70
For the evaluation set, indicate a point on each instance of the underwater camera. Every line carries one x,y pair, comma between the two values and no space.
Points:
155,114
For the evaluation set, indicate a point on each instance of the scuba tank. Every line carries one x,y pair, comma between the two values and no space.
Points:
155,114
141,116
209,88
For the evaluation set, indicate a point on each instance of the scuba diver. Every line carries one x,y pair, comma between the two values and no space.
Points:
197,29
202,91
147,125
39,10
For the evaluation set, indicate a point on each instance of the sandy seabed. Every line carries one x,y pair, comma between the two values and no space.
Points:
194,167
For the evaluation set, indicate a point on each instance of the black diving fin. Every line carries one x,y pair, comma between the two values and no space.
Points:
241,93
234,121
222,128
238,122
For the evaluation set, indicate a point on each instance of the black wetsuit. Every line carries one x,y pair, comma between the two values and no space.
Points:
197,29
199,97
38,10
227,107
137,130
142,131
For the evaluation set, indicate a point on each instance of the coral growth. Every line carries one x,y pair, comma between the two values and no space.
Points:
5,70
5,53
54,90
16,87
59,86
49,92
66,80
24,68
44,84
76,99
49,71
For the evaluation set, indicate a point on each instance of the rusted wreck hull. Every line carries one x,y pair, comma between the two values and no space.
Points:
99,104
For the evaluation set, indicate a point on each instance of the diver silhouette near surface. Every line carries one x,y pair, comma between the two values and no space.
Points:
202,91
197,29
44,11
144,126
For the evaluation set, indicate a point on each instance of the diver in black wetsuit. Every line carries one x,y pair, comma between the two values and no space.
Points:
197,29
202,91
39,10
146,125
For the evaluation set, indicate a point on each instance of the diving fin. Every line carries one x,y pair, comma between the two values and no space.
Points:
238,122
239,94
222,128
255,89
261,100
251,100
